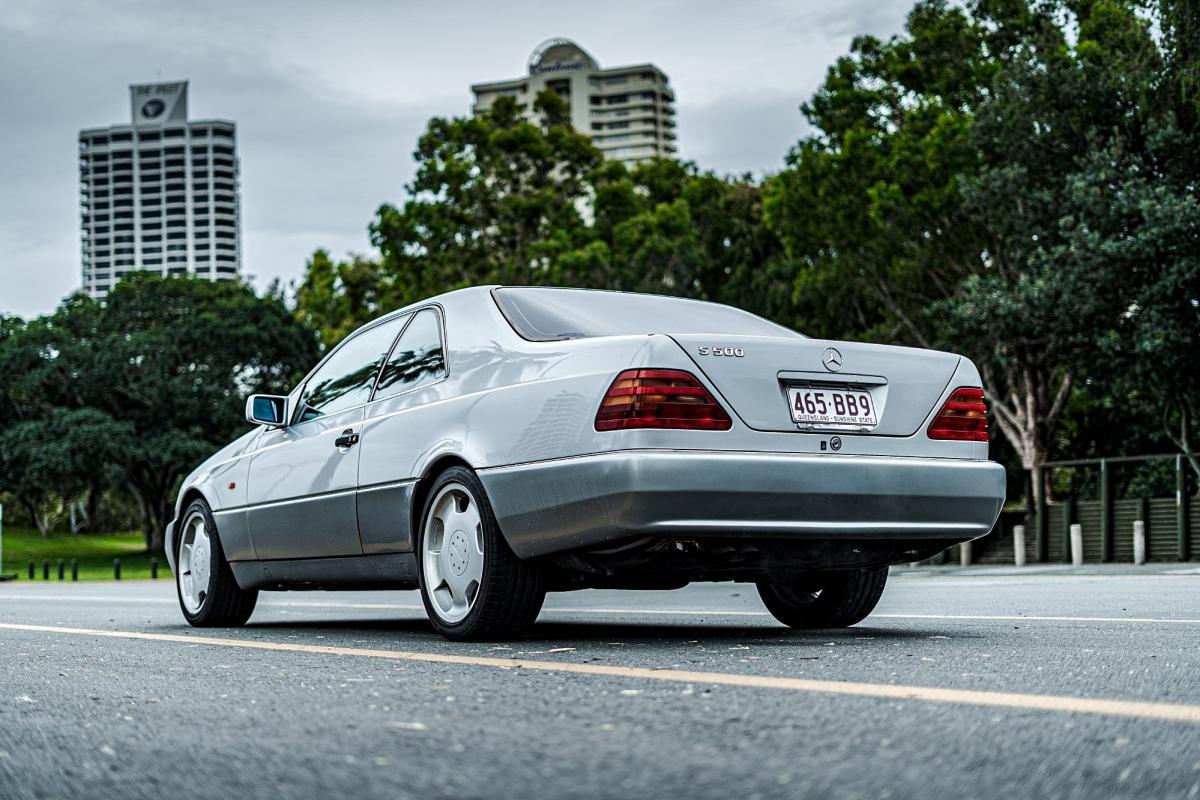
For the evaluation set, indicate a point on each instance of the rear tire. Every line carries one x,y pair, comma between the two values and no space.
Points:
208,593
825,600
474,587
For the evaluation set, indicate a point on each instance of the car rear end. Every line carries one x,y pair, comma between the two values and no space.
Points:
730,446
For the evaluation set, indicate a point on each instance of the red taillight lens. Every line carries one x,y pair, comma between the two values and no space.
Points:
660,398
964,416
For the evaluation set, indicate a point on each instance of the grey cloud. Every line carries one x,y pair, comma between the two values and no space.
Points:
747,133
330,98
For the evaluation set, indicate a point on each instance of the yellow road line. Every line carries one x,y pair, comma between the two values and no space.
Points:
1171,712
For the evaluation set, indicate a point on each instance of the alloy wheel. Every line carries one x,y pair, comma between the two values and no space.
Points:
452,553
195,558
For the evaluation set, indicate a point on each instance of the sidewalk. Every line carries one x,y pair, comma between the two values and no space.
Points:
1049,570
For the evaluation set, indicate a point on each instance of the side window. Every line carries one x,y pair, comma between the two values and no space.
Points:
418,358
345,380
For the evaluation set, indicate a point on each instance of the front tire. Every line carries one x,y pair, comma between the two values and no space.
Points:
474,587
208,594
825,600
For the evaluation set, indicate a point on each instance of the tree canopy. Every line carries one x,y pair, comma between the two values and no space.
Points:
148,385
1015,180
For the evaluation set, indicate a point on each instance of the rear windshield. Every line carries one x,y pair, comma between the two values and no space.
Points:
545,315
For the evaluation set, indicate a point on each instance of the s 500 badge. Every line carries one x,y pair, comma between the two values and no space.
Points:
732,352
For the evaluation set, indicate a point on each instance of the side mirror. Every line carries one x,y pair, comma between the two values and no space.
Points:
266,409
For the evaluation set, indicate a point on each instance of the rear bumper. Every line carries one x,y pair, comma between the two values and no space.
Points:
566,504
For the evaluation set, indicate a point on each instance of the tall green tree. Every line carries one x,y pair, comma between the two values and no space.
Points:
495,198
870,207
971,186
150,382
500,199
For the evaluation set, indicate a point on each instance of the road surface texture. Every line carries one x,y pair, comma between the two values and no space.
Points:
965,683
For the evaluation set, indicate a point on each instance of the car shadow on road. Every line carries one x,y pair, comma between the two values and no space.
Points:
556,632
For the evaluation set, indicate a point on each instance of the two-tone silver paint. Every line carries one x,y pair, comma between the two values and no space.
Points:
292,507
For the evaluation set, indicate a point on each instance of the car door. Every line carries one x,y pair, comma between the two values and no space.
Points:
302,481
396,433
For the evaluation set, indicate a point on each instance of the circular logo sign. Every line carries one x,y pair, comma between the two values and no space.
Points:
152,108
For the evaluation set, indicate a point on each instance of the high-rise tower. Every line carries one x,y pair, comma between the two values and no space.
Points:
159,193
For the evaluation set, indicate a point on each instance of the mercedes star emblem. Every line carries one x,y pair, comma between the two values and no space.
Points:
832,359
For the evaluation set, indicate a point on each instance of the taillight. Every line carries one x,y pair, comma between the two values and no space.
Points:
964,416
660,398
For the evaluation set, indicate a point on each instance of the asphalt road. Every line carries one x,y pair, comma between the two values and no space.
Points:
990,684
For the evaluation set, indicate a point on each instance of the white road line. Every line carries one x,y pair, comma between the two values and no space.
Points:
1171,712
615,611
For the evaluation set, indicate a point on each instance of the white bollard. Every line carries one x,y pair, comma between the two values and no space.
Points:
1019,545
964,552
1139,541
1077,544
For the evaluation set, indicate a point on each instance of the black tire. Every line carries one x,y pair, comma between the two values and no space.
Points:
511,591
226,605
825,600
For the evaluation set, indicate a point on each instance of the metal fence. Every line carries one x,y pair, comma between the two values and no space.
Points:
1105,504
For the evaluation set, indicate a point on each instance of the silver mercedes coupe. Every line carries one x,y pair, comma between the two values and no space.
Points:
493,444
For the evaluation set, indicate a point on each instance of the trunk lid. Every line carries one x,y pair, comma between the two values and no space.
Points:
754,374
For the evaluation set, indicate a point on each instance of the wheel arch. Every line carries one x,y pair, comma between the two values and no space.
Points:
186,498
432,470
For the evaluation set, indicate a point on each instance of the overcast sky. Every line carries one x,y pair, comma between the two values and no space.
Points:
329,98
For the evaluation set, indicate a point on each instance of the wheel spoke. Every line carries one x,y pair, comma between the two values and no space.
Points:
474,570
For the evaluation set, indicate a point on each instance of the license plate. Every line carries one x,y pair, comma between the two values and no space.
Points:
853,407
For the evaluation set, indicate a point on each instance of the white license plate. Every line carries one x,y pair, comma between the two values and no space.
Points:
825,406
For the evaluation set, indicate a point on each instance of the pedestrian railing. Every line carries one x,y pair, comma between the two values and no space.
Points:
1169,529
1103,518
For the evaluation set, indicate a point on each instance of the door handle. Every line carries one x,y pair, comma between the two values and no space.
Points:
348,439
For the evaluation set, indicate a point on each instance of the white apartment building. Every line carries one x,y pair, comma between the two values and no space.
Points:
628,111
159,193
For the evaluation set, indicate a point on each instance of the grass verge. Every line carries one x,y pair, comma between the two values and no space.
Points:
94,551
